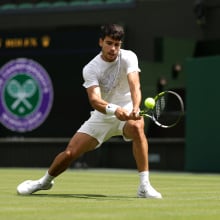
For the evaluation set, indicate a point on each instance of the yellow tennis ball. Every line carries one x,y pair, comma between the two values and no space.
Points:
149,103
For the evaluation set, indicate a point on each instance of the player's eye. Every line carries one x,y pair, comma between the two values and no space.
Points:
109,43
117,44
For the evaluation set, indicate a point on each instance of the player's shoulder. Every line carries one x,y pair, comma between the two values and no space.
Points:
127,54
92,63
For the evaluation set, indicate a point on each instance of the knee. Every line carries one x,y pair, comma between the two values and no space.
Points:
67,156
70,153
137,128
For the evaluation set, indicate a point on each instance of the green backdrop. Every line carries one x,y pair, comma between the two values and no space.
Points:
202,114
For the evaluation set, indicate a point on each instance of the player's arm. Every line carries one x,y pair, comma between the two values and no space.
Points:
101,105
135,89
95,99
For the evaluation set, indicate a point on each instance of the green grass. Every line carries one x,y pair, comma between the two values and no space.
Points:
95,194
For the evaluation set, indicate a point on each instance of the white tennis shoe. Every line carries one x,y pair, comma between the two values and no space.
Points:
147,191
31,186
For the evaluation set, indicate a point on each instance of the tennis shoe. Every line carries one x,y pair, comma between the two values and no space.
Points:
147,191
31,186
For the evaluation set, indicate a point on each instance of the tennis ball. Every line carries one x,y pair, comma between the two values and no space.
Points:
149,103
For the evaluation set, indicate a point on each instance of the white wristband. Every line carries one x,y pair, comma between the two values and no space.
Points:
111,108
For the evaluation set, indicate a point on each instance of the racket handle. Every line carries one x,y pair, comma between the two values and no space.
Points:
142,113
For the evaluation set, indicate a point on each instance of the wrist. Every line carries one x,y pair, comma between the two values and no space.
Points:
111,108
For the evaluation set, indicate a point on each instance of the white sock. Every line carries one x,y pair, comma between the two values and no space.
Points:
47,178
144,178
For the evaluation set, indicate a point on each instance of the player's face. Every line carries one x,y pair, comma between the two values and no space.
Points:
110,48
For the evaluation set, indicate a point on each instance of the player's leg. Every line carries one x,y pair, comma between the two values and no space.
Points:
135,131
79,144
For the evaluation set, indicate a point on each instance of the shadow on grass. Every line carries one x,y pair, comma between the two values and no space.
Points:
85,196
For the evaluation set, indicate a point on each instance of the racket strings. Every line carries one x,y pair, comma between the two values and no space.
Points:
159,107
168,109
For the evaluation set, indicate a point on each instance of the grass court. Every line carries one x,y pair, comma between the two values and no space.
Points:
105,194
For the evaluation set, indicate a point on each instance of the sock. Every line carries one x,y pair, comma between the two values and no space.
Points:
47,178
144,177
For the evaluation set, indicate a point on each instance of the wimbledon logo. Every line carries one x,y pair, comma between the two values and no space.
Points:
26,95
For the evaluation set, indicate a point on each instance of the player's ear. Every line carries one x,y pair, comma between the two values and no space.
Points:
100,42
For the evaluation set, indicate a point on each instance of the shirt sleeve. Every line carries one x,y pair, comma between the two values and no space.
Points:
90,77
131,62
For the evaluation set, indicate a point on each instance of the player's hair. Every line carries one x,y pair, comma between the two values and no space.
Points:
114,31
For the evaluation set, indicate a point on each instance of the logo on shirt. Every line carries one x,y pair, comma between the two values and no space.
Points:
26,95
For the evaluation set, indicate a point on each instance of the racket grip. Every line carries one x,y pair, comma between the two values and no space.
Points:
142,112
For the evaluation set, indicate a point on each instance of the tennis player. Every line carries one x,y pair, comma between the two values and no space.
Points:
112,82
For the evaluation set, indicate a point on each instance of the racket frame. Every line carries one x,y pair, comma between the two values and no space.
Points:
149,112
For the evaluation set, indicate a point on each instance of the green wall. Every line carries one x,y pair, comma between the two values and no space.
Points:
168,51
202,119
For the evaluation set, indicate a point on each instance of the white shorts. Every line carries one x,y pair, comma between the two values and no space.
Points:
102,128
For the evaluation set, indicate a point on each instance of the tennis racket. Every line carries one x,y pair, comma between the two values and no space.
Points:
167,111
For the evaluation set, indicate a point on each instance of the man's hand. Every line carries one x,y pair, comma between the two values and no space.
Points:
134,115
123,115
